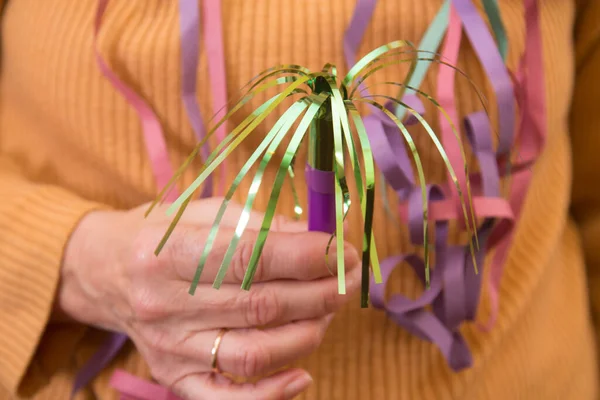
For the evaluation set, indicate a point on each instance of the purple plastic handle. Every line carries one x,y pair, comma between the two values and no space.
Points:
321,200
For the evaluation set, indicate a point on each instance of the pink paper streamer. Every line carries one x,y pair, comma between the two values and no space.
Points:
445,97
152,130
215,52
532,134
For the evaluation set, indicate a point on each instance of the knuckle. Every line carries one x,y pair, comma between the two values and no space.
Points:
261,307
351,255
241,258
278,223
164,373
214,304
143,259
157,341
157,369
144,304
181,244
315,340
331,301
253,359
260,273
243,255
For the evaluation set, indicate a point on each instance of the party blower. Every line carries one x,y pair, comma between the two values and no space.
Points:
324,109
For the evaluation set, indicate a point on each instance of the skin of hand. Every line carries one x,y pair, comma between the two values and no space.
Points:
111,279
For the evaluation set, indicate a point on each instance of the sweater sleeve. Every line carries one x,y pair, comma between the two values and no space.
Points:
585,133
36,221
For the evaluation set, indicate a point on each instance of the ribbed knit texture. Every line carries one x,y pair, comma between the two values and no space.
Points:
70,143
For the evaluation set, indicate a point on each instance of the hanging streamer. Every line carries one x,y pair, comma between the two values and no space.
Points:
497,73
415,318
532,134
215,54
189,15
449,306
152,130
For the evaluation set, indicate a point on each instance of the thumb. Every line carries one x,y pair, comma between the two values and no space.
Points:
285,385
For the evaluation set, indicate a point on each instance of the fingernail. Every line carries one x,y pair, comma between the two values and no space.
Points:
328,318
297,386
351,256
353,280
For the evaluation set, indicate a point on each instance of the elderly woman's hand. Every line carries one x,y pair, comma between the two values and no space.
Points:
112,279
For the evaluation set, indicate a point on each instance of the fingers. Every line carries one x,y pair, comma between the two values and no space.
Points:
283,385
297,256
255,352
264,304
245,353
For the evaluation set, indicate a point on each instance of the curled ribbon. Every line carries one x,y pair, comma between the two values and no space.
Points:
458,297
392,160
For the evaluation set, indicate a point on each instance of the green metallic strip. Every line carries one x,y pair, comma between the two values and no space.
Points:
196,150
290,153
279,131
369,248
482,99
181,209
276,134
342,194
493,13
373,55
219,159
444,156
349,140
252,83
473,220
297,206
421,174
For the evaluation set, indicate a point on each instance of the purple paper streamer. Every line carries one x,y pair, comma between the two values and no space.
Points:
100,360
489,55
189,22
412,314
455,288
387,145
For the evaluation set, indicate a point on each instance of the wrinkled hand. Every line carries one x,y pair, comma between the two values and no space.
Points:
112,279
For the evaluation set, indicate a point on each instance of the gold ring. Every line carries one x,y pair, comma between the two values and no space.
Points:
215,349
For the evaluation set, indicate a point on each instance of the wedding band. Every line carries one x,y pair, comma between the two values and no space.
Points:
215,349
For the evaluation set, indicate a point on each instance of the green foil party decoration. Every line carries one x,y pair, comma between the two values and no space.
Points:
325,110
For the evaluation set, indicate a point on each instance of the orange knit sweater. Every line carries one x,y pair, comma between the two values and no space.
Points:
69,143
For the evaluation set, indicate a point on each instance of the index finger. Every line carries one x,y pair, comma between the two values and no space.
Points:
286,255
